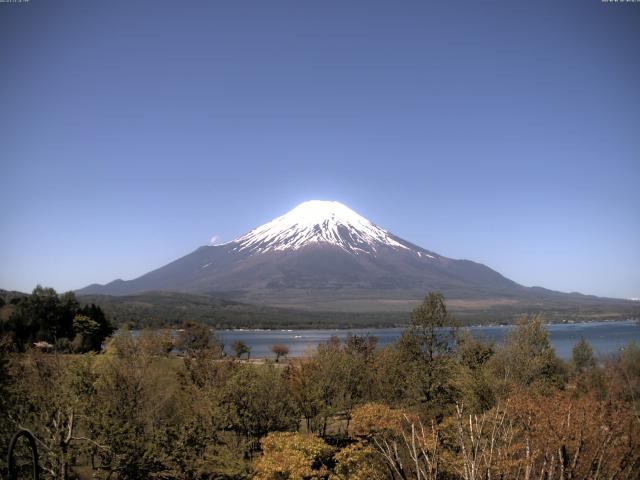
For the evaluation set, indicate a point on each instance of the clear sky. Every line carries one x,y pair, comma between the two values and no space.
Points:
131,132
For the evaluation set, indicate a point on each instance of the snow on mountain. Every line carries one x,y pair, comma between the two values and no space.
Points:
318,222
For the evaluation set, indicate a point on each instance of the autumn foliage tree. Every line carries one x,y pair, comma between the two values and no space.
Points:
280,350
290,455
562,437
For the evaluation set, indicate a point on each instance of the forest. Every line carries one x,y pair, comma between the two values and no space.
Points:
438,404
52,321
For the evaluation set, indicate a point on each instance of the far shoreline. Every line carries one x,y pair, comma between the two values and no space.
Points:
475,325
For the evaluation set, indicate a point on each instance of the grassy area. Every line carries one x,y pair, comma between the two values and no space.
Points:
167,309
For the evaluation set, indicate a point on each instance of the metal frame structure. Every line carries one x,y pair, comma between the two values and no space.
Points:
13,474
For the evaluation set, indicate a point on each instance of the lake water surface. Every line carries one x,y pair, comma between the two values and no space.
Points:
605,338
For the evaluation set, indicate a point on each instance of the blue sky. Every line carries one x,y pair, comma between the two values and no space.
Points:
502,132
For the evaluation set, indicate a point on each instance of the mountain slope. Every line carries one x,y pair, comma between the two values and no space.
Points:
324,256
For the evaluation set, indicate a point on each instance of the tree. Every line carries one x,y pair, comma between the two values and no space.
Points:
280,350
39,317
240,348
623,376
408,448
6,428
255,401
207,370
302,381
558,436
473,377
582,356
527,358
392,383
130,405
158,343
329,385
426,348
359,461
480,443
473,353
87,330
287,455
104,330
51,397
194,337
4,367
46,316
178,449
432,329
376,419
363,345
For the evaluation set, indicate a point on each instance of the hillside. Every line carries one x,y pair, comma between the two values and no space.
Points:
161,309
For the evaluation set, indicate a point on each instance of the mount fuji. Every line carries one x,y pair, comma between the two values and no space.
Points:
324,256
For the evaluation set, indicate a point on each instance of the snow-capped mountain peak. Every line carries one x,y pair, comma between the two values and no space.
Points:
318,222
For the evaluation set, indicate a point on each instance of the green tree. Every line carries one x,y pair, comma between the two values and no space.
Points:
158,343
344,375
473,377
6,427
363,345
51,395
432,330
240,348
582,356
426,348
390,370
207,369
46,316
472,352
86,331
527,357
329,385
195,337
203,387
39,317
256,401
304,382
105,327
131,405
5,345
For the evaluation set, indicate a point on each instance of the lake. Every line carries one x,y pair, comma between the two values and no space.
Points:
605,338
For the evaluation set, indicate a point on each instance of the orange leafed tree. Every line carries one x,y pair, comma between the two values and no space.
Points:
292,455
280,350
